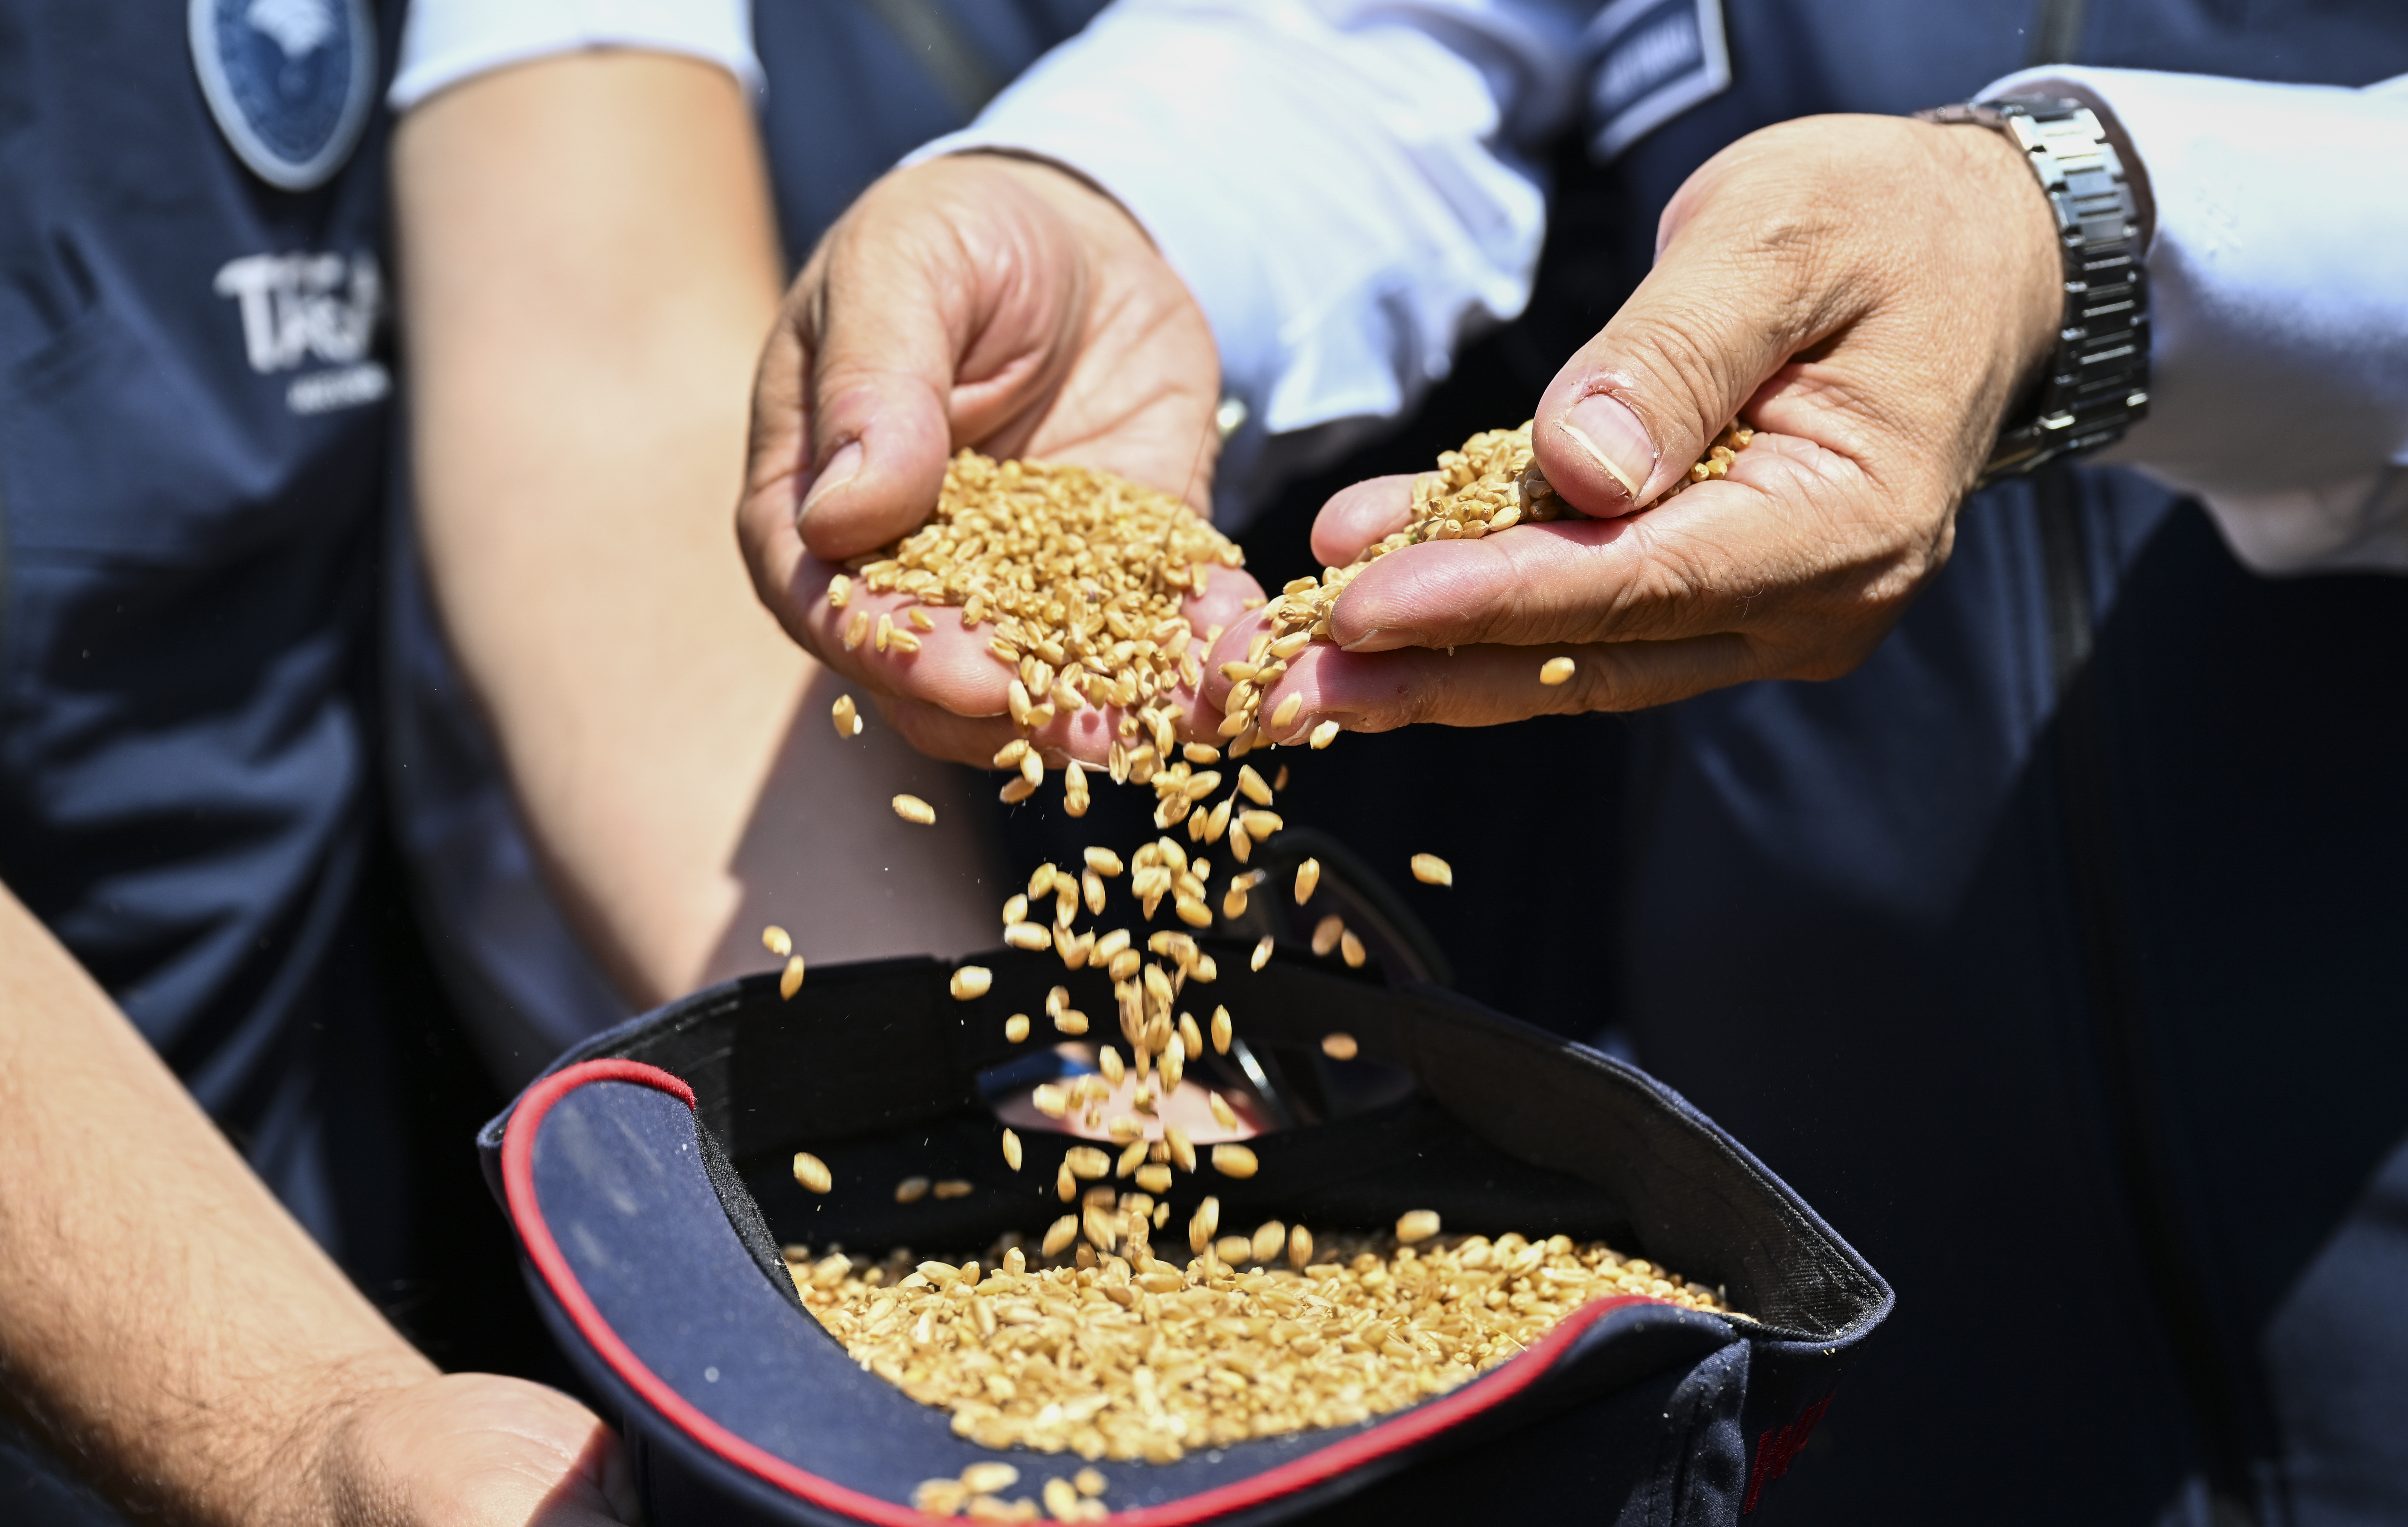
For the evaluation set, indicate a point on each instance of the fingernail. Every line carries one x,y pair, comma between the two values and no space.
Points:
1385,639
841,469
1602,425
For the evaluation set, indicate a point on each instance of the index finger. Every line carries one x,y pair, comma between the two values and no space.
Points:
1727,555
1362,516
1491,685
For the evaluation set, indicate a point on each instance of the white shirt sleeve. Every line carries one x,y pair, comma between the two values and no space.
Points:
444,42
2278,392
1342,183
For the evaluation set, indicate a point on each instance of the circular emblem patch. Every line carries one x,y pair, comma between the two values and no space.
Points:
289,81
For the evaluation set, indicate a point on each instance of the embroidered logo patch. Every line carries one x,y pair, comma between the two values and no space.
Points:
1655,60
289,81
305,308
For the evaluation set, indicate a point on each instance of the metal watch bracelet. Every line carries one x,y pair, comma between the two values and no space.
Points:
2096,385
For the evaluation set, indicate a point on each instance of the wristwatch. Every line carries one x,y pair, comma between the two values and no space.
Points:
2096,385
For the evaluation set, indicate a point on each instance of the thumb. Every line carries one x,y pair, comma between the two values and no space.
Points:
946,305
1726,304
868,353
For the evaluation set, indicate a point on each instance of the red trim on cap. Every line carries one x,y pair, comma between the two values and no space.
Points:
549,1089
1416,1425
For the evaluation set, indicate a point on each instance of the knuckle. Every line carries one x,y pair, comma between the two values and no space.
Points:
1687,349
1601,682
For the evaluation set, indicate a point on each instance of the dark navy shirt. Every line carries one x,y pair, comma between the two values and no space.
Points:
192,446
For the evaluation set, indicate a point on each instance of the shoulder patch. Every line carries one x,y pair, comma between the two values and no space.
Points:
289,81
1655,59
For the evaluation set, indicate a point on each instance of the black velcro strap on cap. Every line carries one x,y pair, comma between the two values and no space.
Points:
744,1213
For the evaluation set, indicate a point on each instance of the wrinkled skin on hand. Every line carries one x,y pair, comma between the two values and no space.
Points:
980,301
1873,328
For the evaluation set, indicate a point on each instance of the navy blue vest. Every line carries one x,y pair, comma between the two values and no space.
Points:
2054,954
854,85
193,448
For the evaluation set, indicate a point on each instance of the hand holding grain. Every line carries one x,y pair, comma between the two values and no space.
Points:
1874,329
976,301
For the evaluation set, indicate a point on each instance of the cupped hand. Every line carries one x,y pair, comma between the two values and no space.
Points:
475,1450
980,301
1868,294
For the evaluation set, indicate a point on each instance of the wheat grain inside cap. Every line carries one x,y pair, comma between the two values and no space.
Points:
940,1497
986,1478
1267,1240
966,1326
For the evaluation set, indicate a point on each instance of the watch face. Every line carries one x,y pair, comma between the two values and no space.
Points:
290,82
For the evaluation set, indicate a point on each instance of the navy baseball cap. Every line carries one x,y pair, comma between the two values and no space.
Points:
648,1175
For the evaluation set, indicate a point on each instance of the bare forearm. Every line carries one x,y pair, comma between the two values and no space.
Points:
161,1318
589,267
